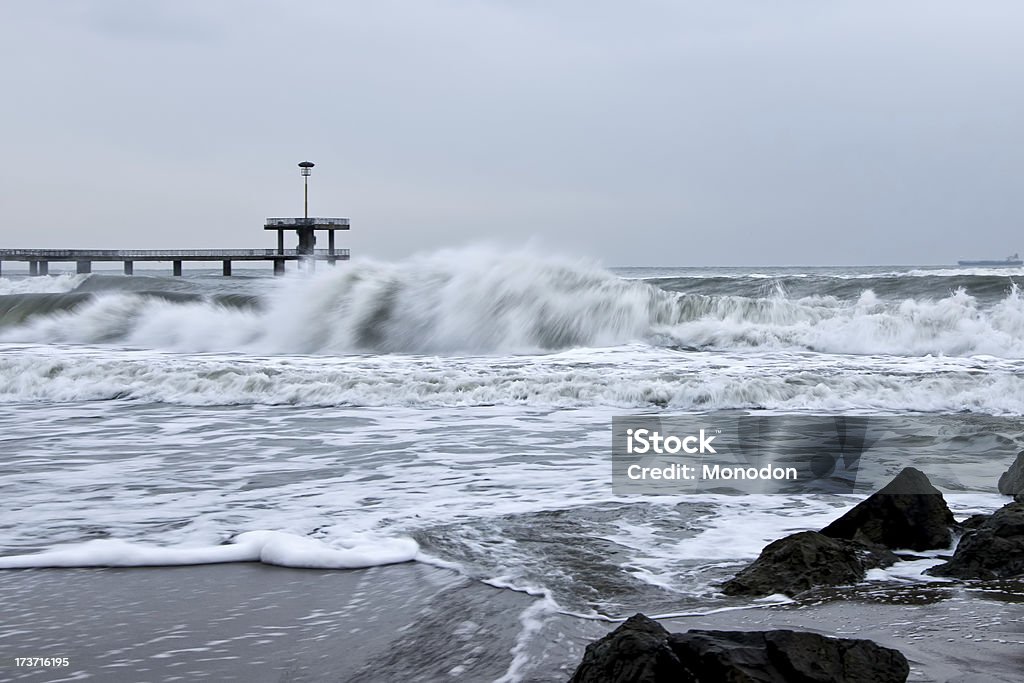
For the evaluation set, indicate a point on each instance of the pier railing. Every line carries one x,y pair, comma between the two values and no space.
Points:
161,254
300,222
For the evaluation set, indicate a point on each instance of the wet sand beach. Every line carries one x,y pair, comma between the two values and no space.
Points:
413,622
250,622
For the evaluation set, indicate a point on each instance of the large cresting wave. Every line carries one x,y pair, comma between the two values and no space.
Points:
479,300
468,300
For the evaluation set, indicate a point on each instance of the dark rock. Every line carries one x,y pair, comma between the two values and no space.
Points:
638,651
786,656
1011,483
973,522
641,651
907,513
804,560
994,551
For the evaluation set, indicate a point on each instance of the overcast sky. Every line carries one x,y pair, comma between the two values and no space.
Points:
649,132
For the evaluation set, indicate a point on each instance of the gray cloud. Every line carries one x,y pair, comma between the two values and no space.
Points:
650,132
132,20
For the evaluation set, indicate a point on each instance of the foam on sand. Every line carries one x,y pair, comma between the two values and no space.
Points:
269,547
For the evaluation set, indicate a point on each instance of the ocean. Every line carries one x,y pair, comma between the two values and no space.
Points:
441,426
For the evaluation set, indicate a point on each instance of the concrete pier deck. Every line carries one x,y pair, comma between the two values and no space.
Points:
39,259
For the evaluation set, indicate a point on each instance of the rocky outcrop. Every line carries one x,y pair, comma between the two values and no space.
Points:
973,522
802,561
995,550
1011,483
992,546
642,651
787,656
907,513
638,650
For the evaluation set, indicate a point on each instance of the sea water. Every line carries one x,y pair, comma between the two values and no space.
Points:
455,409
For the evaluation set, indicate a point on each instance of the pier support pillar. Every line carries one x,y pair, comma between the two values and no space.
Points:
44,267
33,267
279,266
227,268
280,241
330,242
177,268
83,267
129,267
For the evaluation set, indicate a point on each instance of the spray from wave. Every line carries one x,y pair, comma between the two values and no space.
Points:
38,285
469,300
479,300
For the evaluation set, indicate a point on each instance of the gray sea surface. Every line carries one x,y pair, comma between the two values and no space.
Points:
389,465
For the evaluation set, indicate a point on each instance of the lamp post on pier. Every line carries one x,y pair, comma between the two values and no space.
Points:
307,240
306,168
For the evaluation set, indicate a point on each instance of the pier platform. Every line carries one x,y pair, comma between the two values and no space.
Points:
39,259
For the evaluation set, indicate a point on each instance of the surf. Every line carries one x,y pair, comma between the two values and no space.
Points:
487,301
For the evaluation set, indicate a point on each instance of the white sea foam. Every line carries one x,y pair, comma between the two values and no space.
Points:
472,300
269,547
485,301
519,498
955,325
65,282
907,571
482,433
532,621
628,377
836,272
975,271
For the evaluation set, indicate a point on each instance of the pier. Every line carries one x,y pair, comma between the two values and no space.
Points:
305,228
39,260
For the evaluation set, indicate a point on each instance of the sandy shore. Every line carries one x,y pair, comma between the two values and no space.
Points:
949,633
250,622
412,622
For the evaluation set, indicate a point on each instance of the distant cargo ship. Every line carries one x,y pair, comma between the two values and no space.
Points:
1008,261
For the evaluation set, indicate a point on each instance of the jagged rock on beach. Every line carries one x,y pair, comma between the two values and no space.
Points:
801,561
995,550
973,522
638,650
908,512
642,651
1011,482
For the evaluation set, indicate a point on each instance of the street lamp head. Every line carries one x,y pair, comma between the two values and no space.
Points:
306,167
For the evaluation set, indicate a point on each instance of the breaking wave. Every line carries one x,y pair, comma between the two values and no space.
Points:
486,301
626,377
38,285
